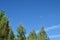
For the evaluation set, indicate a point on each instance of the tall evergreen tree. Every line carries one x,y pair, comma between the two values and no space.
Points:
4,26
6,32
21,33
11,34
42,35
32,36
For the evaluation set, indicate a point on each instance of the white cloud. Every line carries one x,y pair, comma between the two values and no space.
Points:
52,27
54,36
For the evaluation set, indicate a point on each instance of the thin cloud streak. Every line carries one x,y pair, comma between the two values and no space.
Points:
54,36
52,27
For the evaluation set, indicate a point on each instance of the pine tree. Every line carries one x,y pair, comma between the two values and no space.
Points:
11,34
42,35
32,36
6,32
4,26
21,33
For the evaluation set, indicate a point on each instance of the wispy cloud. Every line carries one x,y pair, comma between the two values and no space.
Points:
54,36
52,27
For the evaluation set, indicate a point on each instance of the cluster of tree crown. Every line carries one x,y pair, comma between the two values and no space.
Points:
6,32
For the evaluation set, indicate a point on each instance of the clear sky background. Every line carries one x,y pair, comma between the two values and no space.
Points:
33,14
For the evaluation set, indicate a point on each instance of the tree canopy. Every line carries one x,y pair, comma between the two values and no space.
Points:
6,32
42,35
21,32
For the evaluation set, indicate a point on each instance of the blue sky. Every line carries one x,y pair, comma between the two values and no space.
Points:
33,14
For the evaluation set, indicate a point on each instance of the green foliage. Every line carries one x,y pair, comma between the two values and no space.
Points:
32,36
1,15
42,35
11,35
4,26
6,32
1,18
21,32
